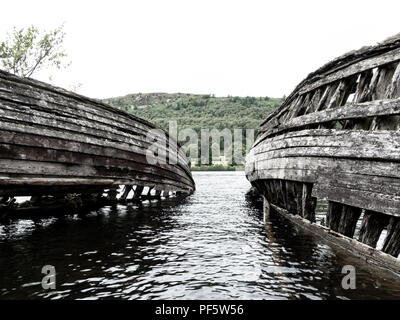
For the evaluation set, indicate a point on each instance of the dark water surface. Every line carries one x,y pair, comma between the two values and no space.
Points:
211,246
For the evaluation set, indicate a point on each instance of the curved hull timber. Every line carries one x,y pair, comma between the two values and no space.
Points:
337,137
54,141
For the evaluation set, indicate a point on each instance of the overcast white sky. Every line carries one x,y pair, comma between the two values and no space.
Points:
260,48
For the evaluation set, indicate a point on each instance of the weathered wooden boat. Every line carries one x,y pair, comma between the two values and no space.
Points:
336,137
55,142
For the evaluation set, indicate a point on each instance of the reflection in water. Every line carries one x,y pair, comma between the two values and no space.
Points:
211,246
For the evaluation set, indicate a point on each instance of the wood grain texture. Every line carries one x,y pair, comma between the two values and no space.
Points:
338,136
51,137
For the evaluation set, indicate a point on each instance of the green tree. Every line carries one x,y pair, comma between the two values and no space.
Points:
26,51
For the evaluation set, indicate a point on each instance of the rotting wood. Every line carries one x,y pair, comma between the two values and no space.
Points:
372,226
334,215
337,136
392,241
355,111
308,203
54,142
348,220
366,253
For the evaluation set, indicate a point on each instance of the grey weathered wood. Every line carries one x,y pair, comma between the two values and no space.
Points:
348,220
346,153
50,137
102,162
72,129
393,90
370,63
308,203
266,208
28,141
392,241
337,64
271,194
32,169
372,226
332,143
291,204
298,192
355,111
334,215
339,241
33,131
281,191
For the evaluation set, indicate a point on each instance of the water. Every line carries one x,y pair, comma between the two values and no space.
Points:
211,246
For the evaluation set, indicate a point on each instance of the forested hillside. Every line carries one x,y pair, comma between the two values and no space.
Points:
201,112
198,111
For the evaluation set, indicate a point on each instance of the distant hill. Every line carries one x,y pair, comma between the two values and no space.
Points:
200,112
197,111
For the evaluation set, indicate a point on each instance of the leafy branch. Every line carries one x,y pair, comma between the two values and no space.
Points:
26,51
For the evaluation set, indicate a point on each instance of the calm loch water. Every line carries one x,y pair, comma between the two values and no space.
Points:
213,245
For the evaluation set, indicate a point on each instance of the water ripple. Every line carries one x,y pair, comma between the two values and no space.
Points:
212,246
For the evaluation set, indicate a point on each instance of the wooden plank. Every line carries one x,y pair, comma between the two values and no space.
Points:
279,189
393,91
333,67
108,129
361,94
357,144
318,166
332,152
48,98
270,194
351,180
368,254
283,174
333,215
291,204
327,96
392,241
298,192
384,82
28,168
348,220
76,137
45,94
38,181
316,97
136,144
13,152
353,69
384,203
360,184
355,111
52,143
308,203
372,226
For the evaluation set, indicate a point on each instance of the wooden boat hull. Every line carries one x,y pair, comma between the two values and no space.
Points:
337,138
52,140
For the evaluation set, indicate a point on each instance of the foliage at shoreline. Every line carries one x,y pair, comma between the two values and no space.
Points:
217,167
